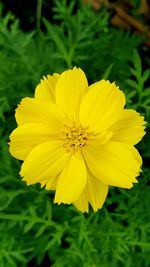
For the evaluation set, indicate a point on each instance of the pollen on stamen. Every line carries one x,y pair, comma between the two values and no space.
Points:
75,137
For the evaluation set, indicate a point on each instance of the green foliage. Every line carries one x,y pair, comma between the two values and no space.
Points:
32,229
137,84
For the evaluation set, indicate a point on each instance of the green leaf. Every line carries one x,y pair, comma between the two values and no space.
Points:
137,63
107,72
146,75
28,227
54,35
132,83
41,230
146,92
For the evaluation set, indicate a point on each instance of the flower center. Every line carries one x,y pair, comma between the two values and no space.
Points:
75,137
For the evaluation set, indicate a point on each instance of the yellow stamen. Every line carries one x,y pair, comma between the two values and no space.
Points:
75,137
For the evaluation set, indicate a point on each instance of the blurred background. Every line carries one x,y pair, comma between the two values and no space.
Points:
109,40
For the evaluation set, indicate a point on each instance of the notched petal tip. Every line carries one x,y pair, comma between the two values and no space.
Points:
71,181
129,128
114,163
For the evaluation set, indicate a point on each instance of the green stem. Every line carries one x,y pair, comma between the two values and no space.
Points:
38,15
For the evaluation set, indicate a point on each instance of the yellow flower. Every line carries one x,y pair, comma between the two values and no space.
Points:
77,139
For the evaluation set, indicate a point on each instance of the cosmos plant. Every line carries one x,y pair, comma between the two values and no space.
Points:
77,139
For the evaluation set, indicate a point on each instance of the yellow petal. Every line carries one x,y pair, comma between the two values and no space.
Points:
101,106
25,137
94,193
72,180
31,110
53,79
44,162
129,128
82,203
135,152
45,90
50,184
101,138
70,90
114,163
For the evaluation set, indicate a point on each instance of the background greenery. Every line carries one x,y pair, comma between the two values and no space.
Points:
34,231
